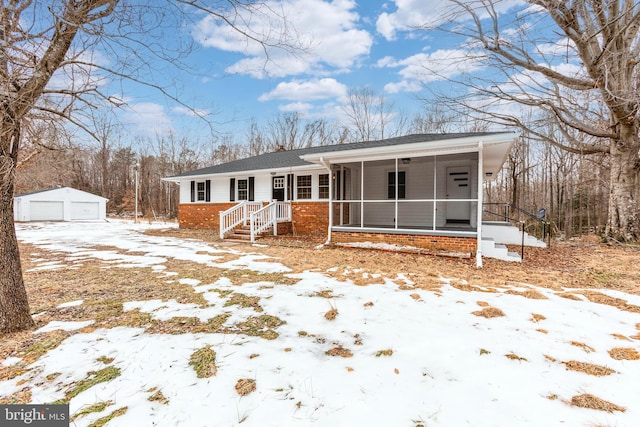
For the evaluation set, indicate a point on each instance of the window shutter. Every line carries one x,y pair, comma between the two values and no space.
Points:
207,190
290,186
232,190
251,188
193,191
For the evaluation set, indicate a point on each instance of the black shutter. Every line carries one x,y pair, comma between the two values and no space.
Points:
251,188
290,186
232,190
207,190
193,191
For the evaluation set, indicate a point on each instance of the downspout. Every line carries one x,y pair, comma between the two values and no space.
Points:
479,207
328,167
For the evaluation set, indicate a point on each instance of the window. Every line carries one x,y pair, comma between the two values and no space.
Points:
243,189
323,186
303,186
200,193
391,185
278,183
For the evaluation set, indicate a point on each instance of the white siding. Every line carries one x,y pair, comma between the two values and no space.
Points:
220,186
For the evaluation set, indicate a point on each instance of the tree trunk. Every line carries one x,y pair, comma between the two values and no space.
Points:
624,212
14,306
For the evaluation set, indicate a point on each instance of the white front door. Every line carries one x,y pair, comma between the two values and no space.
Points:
458,187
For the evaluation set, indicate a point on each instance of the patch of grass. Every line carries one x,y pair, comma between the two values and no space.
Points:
620,303
181,325
326,293
484,351
21,397
514,356
158,397
585,347
244,386
387,352
535,317
90,409
104,359
588,368
104,420
43,344
339,351
244,301
483,304
93,378
203,362
593,402
531,294
331,314
489,312
259,326
621,337
624,353
52,376
568,295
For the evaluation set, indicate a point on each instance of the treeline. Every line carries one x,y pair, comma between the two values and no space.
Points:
572,187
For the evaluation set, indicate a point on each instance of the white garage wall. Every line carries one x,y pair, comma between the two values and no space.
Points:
46,205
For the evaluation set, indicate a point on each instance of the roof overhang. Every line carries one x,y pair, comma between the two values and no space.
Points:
241,173
495,147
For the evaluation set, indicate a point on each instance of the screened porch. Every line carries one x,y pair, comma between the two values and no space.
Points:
431,194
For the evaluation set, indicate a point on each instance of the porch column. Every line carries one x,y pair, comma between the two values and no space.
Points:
480,192
328,167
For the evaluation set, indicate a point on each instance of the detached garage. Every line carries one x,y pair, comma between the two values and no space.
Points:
59,204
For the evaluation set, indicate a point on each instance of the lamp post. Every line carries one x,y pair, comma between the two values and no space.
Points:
136,168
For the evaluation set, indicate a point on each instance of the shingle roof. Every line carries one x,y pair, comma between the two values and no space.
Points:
291,158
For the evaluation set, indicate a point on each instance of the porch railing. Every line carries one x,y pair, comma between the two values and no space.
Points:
256,215
263,219
236,215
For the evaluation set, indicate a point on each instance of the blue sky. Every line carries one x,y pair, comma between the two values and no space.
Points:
351,44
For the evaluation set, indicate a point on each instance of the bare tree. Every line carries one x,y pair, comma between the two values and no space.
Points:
574,61
368,115
40,40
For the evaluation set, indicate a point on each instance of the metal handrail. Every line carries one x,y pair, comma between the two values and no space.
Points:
546,225
509,219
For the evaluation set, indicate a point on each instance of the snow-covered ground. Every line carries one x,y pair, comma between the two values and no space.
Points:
417,357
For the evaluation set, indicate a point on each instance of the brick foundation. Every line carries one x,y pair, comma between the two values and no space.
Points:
429,243
201,215
312,219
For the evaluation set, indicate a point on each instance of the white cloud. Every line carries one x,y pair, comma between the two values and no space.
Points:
412,14
148,118
329,31
304,91
423,68
296,107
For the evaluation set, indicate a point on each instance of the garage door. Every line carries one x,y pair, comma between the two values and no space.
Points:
46,211
85,210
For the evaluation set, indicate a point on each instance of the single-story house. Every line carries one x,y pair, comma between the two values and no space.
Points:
417,191
59,204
